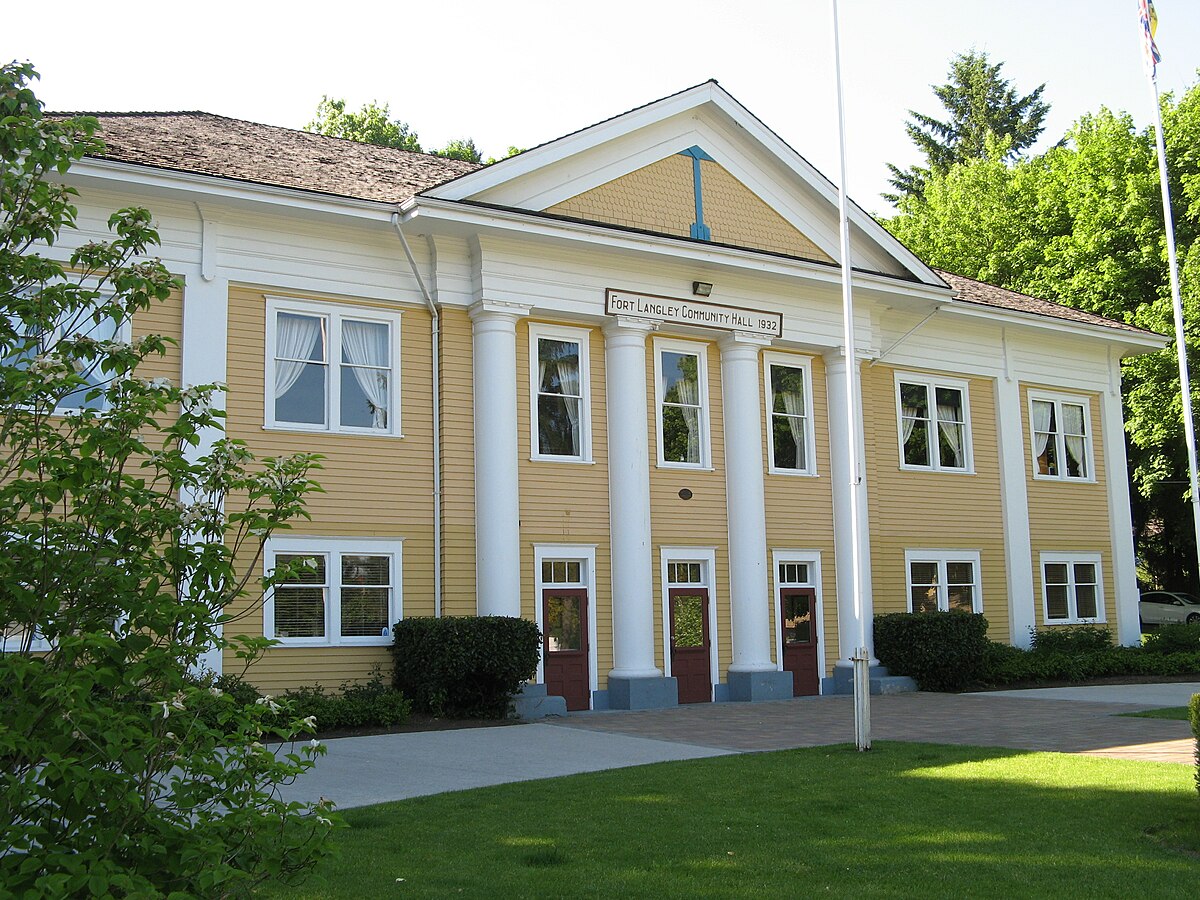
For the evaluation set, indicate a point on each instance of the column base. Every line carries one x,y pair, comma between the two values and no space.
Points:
766,685
842,681
648,692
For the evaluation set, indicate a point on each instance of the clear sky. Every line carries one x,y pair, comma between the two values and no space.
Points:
526,71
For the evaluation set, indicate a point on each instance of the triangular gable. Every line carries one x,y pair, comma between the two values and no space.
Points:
757,191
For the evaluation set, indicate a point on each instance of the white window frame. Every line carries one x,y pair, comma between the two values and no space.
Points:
1069,559
1060,441
707,557
941,557
790,361
698,349
333,549
333,313
812,559
931,383
581,337
586,555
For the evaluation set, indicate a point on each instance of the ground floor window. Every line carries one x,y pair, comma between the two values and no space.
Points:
332,592
943,580
1071,588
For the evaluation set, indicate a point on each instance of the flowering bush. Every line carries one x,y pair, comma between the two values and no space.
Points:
117,560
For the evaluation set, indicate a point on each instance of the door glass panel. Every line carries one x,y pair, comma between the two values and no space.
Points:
688,625
564,626
797,619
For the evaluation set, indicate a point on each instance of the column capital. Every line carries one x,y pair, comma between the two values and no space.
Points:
488,309
630,325
744,340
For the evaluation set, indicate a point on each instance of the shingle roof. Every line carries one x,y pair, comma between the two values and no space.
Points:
267,154
972,291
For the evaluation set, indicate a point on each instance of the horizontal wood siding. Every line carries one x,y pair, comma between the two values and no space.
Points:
933,510
800,513
1069,516
373,486
458,465
567,503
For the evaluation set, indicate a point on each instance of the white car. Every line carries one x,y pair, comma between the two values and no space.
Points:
1169,607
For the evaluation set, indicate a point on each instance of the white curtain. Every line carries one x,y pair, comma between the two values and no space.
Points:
951,431
793,405
1041,425
911,414
295,337
1073,433
365,344
568,379
689,395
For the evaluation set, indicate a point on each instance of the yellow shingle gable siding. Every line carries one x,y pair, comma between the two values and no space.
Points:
661,198
658,197
739,217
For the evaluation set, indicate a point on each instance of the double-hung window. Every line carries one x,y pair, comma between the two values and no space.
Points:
332,592
1071,588
935,431
1062,442
943,580
332,368
560,399
789,411
681,377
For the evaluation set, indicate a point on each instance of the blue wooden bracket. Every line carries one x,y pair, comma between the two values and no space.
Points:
700,231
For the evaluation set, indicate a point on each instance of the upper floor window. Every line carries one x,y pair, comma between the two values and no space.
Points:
789,405
935,430
332,368
682,392
333,591
1071,588
1062,443
560,395
943,580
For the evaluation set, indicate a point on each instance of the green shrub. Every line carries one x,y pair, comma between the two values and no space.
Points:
1174,638
1005,665
1194,718
464,665
1071,639
941,651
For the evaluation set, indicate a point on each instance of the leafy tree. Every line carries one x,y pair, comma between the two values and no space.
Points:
512,151
371,125
464,149
121,773
1082,224
985,112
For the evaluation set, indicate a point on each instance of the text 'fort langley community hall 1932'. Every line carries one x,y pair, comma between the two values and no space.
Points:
601,385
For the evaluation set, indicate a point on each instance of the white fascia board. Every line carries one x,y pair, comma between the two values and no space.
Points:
534,225
1131,341
213,187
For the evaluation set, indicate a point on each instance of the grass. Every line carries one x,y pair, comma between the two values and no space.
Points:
903,820
1167,712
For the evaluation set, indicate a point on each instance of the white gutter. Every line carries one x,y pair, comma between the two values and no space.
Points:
435,334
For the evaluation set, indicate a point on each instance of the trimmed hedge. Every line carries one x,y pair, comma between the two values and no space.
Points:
1173,639
467,666
1005,665
1071,639
1194,717
942,651
371,704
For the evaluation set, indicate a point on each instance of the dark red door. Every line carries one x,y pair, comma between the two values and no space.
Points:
565,647
689,644
798,608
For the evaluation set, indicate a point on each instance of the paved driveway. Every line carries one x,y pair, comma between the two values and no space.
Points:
364,770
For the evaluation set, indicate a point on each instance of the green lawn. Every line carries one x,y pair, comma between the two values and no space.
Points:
1167,712
905,820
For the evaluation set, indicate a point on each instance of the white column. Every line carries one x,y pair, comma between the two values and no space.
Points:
1120,517
1018,553
747,513
497,496
629,499
837,375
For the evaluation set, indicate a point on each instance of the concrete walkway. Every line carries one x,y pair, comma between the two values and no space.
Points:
364,770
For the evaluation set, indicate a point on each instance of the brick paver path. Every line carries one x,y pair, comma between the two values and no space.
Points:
980,719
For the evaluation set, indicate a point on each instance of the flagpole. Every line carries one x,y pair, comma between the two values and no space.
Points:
1148,21
862,657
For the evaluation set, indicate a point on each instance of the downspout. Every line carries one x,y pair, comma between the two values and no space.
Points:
435,313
